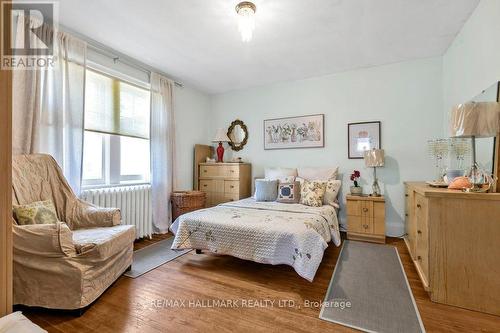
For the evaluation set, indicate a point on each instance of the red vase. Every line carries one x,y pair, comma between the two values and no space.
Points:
220,152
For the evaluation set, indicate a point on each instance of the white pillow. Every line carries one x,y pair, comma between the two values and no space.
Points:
318,173
332,191
280,174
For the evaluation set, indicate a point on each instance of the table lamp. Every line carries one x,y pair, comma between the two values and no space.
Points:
220,137
475,120
374,158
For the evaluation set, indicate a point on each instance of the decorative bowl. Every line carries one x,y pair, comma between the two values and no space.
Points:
356,190
452,174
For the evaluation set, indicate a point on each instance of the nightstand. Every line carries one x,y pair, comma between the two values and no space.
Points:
366,218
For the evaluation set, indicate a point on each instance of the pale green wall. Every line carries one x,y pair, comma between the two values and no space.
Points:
192,112
472,62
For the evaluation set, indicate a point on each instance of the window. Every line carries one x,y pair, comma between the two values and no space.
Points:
116,139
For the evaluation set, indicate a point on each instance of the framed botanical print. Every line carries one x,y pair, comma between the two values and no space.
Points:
294,132
363,136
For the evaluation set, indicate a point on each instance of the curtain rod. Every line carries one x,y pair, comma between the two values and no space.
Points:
117,56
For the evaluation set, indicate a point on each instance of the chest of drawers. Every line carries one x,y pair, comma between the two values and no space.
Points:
224,182
453,239
366,218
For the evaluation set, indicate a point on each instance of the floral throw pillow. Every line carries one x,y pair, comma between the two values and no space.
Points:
331,192
40,212
312,193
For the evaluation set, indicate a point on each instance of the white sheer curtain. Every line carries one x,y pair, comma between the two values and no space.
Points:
48,105
162,150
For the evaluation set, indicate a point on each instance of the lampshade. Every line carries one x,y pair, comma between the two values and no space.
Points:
221,136
374,158
478,119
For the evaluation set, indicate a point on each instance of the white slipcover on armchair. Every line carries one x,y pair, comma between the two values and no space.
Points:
70,264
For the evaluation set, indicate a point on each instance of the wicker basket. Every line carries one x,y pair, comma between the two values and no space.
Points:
186,201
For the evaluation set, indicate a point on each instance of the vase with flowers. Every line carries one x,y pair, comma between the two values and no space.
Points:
356,189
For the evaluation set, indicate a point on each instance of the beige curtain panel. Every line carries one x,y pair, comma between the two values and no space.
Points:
162,150
49,104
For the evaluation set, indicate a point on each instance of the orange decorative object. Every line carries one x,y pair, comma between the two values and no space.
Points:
460,183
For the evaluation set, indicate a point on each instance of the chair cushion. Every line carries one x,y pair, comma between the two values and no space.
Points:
105,242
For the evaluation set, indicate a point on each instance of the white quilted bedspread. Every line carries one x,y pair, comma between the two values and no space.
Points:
265,232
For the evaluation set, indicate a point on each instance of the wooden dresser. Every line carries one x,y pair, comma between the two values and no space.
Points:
366,218
224,182
454,241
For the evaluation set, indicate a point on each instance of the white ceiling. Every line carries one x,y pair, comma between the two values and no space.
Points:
197,41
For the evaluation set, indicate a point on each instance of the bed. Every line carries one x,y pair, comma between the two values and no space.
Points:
264,232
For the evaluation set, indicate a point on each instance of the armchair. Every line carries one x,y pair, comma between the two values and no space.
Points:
67,265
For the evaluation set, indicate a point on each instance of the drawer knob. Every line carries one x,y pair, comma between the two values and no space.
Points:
232,171
419,232
365,226
419,257
232,186
204,170
365,209
419,206
406,214
204,185
406,195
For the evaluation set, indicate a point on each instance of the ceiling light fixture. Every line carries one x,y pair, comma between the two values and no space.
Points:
246,23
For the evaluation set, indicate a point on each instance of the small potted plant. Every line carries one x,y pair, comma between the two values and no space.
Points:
356,189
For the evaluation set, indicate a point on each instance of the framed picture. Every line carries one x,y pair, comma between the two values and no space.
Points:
294,132
363,136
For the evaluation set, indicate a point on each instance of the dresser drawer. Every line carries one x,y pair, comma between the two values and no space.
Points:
367,209
206,185
210,171
232,186
360,208
354,207
231,197
422,237
355,224
230,171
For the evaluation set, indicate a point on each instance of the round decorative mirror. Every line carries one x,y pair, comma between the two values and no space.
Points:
238,134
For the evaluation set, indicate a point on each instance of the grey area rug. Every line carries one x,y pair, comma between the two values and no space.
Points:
372,279
153,256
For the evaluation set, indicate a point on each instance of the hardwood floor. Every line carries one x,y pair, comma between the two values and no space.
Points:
144,242
139,305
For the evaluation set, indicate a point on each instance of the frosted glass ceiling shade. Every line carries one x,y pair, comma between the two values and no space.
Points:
475,119
374,158
220,136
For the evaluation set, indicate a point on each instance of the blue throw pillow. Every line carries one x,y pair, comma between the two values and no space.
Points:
266,190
